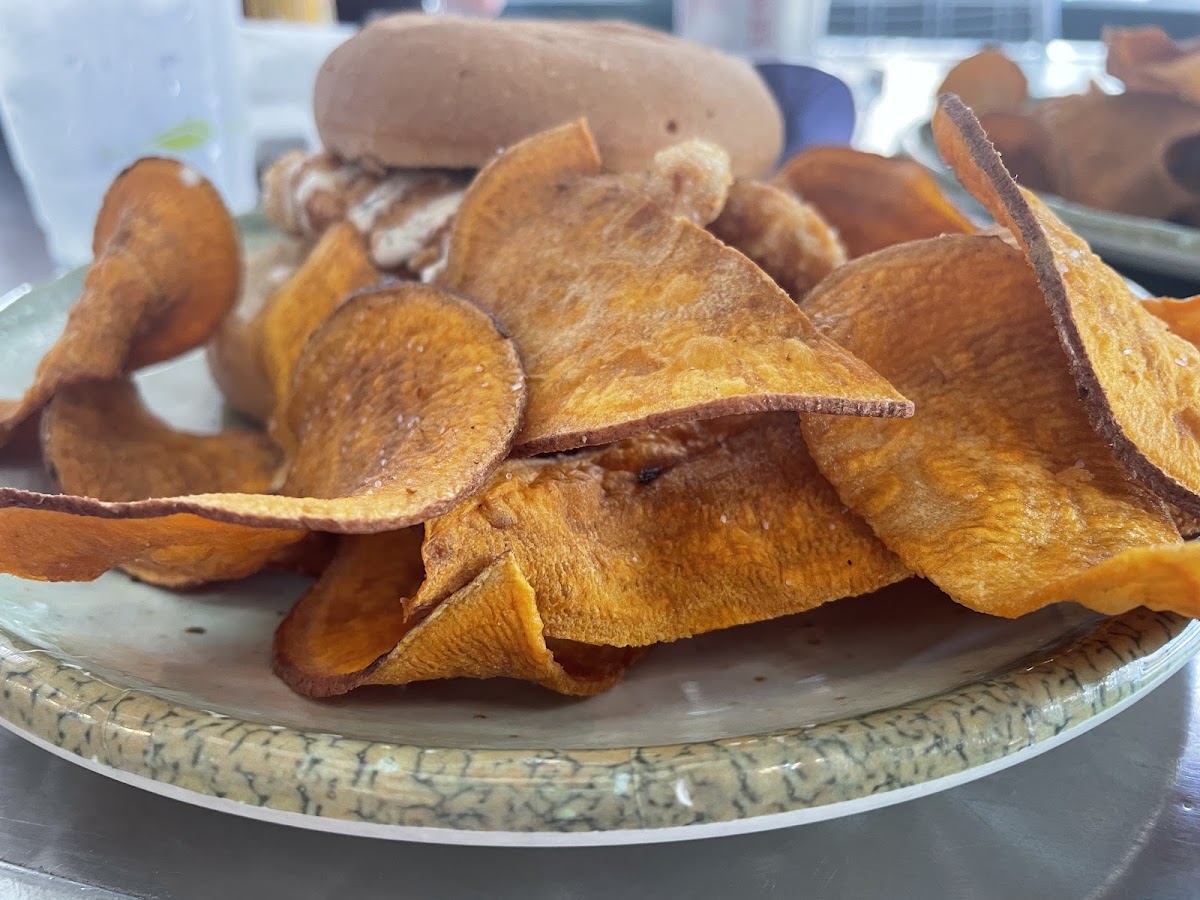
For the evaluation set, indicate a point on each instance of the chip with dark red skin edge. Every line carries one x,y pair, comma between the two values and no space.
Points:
166,271
1140,384
628,316
394,420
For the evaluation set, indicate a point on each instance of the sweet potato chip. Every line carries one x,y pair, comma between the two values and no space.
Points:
1181,316
403,402
356,626
73,539
166,273
871,201
337,267
786,237
998,490
738,498
1140,383
233,353
1148,59
629,317
100,441
988,82
597,541
1026,148
1115,152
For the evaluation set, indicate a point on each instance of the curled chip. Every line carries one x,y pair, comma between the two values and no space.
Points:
337,267
591,548
629,317
1140,383
998,490
100,441
234,352
1026,147
356,626
166,272
786,237
1149,60
988,82
871,201
403,402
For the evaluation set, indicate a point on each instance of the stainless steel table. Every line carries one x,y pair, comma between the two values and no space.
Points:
1111,814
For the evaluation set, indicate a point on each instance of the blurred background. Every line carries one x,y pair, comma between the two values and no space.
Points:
87,86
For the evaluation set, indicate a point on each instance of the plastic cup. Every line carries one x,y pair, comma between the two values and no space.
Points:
86,87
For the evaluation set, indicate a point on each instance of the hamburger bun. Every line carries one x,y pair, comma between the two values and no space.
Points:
414,91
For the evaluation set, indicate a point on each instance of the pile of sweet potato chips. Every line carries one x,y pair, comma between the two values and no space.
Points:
1135,152
629,409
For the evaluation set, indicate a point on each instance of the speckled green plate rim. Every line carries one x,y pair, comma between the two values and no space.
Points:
547,797
1152,244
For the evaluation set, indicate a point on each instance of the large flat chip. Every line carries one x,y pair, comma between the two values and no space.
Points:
627,316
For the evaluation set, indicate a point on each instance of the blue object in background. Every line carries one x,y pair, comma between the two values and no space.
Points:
818,108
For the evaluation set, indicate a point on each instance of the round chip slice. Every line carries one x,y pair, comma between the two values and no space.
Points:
403,402
786,237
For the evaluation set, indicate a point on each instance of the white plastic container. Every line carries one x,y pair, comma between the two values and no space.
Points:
87,86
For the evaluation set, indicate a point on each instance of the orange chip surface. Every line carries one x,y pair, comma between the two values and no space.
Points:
166,272
666,536
234,353
1181,316
404,401
335,268
786,237
100,441
659,537
871,201
988,82
1139,382
629,317
72,539
356,626
997,490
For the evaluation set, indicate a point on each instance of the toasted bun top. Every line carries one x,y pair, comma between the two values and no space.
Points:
441,91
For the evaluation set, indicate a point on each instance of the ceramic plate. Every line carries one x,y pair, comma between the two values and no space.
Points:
1150,244
863,703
